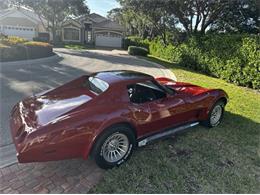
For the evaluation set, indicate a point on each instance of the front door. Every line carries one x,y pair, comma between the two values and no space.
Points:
166,112
88,33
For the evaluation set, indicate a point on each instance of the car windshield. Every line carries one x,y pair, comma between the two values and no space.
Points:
96,85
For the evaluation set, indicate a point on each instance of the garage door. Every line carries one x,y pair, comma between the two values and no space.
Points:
108,41
24,32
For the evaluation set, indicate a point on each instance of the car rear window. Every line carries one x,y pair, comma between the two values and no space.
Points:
96,85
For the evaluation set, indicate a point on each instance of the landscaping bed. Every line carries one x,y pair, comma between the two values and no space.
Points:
224,159
15,48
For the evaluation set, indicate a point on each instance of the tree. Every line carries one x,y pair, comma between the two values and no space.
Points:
197,15
193,16
135,24
56,11
240,16
152,14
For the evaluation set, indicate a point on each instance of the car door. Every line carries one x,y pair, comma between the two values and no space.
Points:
167,112
152,108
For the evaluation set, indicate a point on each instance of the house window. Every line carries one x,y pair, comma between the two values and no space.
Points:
71,34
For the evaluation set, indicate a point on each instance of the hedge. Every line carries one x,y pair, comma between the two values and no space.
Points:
135,41
234,58
140,51
13,49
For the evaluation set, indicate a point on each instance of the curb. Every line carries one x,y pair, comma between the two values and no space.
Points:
39,60
168,73
7,155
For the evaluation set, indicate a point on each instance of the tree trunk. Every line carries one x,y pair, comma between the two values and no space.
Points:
53,28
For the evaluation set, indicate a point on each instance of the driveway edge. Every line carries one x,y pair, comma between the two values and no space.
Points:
168,73
39,60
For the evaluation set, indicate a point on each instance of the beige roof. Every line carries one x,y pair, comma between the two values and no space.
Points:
96,17
25,11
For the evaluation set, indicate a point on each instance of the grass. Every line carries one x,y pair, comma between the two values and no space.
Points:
77,46
225,159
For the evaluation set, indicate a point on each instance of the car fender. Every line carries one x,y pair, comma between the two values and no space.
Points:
105,125
217,94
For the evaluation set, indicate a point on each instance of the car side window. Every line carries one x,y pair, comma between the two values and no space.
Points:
144,92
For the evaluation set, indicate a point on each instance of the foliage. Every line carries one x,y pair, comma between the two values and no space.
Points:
239,16
234,58
12,40
219,160
135,41
140,51
15,48
135,24
155,12
75,46
151,18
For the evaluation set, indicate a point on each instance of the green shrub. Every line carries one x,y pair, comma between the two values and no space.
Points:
12,40
140,51
234,58
135,41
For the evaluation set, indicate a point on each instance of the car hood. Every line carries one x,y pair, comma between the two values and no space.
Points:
45,108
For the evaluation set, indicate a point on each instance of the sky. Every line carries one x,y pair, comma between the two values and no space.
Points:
102,6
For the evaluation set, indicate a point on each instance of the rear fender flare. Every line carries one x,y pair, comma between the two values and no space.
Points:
102,128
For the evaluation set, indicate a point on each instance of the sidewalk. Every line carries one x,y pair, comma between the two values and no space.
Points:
68,176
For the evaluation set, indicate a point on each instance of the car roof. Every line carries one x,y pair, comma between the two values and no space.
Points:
119,76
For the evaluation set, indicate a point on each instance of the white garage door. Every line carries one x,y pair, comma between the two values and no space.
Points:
24,32
108,41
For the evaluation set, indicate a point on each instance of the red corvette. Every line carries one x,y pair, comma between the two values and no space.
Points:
107,114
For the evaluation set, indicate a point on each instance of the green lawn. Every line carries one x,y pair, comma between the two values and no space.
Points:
225,159
77,46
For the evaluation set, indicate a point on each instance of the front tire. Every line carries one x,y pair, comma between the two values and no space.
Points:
215,115
114,146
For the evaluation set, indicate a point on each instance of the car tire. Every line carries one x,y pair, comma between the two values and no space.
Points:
215,115
114,146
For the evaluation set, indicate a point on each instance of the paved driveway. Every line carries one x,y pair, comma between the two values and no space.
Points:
18,80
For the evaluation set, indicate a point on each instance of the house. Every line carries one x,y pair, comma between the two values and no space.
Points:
93,29
88,29
22,22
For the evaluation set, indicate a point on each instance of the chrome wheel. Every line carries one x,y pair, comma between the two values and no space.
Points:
216,115
115,147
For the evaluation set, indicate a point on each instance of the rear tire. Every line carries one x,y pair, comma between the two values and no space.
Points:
114,146
215,115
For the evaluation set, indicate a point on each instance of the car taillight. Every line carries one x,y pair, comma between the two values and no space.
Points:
13,110
19,131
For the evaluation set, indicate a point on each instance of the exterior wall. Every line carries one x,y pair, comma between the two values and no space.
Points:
82,36
15,23
74,27
113,32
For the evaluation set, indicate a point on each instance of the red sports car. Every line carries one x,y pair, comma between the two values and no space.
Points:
107,114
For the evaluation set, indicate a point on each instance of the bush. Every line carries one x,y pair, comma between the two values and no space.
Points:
135,41
15,48
234,58
140,51
12,40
